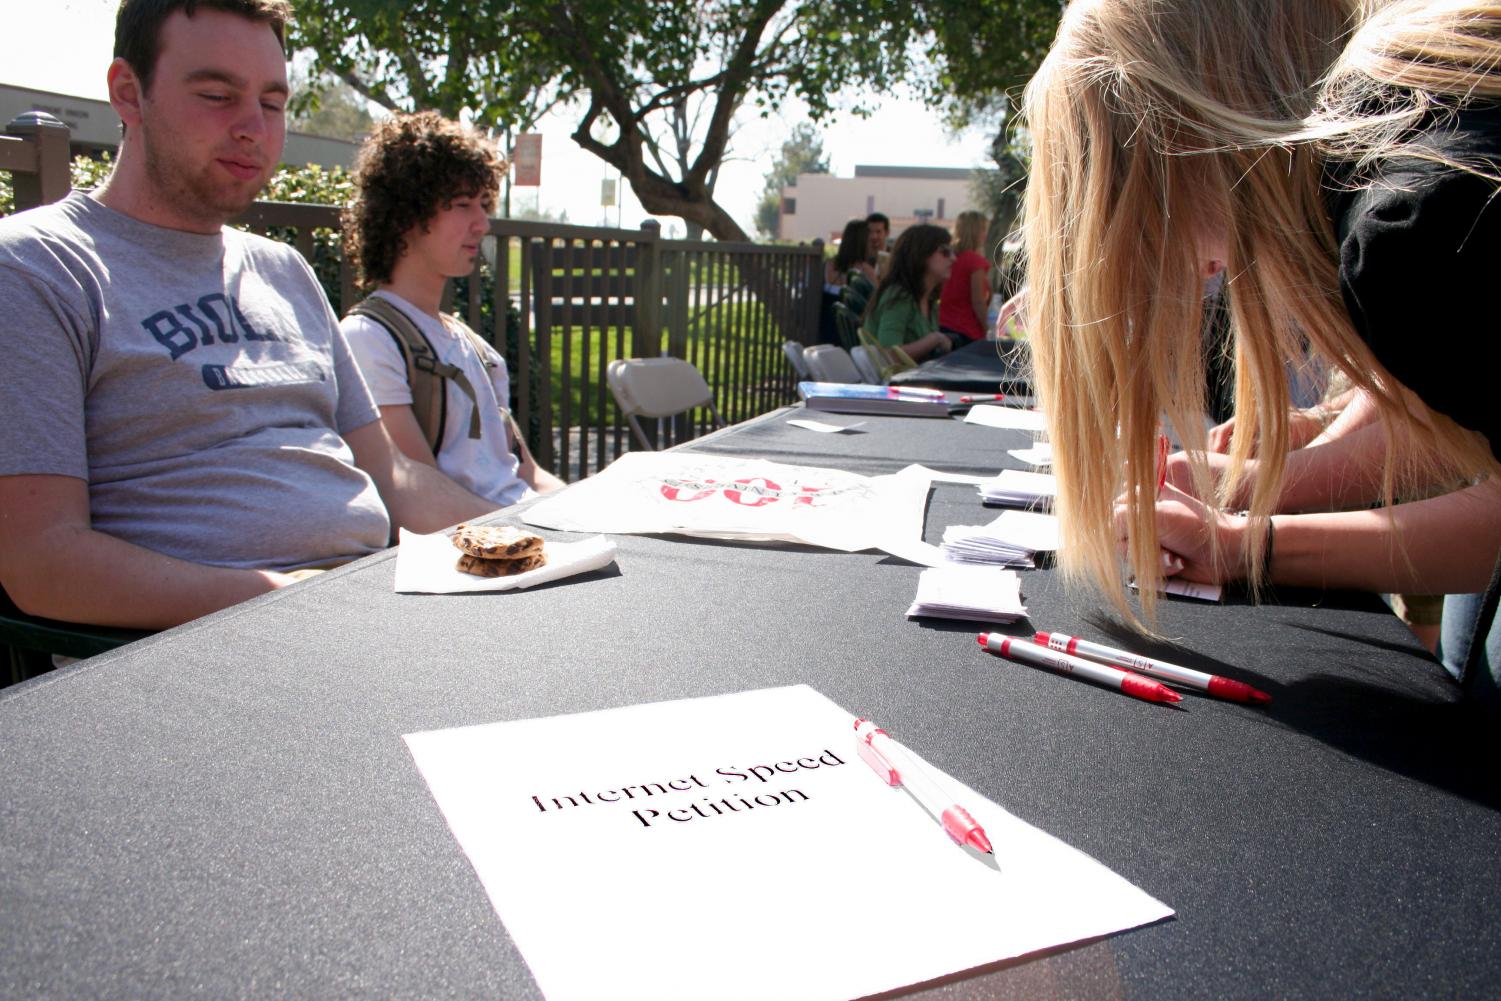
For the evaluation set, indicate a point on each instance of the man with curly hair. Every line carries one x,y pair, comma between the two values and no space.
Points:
182,426
425,188
424,191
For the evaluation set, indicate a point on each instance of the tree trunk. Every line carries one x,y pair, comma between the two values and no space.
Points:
661,197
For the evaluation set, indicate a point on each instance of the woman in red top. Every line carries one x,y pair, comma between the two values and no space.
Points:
966,295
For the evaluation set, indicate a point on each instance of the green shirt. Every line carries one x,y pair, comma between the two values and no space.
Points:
896,319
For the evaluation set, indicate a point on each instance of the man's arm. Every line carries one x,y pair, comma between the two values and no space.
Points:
531,474
418,496
401,424
53,564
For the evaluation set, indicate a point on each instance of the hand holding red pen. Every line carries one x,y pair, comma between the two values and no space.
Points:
1192,531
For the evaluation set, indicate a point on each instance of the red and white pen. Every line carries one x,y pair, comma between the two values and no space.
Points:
1162,450
1124,682
1214,684
898,768
982,399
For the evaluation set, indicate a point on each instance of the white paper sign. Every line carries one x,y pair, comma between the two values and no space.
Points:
737,847
1007,417
752,500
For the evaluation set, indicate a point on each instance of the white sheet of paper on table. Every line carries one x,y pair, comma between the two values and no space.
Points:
1189,589
823,428
1034,530
1040,454
426,564
914,551
939,476
830,888
1006,417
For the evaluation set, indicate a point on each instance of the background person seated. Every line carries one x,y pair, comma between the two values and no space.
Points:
424,191
903,315
847,277
879,234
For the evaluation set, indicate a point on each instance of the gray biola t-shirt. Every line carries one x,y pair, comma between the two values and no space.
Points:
199,384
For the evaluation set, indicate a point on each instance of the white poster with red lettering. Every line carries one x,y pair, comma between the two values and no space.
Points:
752,500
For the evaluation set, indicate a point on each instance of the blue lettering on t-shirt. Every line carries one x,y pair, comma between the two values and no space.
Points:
211,306
204,335
223,311
170,333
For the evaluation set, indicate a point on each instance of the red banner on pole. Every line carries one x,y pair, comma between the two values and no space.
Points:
526,160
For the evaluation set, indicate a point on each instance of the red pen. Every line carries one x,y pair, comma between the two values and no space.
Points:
898,768
1124,682
982,399
1214,684
1162,450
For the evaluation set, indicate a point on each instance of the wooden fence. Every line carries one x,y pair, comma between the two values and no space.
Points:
562,302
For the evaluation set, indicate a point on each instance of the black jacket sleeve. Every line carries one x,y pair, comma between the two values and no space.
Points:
1420,269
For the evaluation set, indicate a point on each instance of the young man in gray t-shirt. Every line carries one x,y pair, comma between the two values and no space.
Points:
181,422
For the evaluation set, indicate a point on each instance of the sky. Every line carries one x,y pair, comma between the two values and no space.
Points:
902,132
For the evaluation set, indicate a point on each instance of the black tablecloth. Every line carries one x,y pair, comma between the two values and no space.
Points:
227,809
980,367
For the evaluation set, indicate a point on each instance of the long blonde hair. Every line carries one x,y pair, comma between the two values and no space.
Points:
969,230
1156,123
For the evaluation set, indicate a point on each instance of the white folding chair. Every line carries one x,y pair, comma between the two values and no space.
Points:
868,370
794,352
658,388
831,363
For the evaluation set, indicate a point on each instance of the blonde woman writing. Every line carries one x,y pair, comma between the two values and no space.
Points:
1338,160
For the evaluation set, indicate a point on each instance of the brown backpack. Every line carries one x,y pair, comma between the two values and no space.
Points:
426,373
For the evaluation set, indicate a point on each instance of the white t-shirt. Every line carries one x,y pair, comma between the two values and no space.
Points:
486,465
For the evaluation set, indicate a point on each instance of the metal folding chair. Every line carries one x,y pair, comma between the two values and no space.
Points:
658,388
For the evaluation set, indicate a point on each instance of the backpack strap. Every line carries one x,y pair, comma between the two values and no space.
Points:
486,351
426,373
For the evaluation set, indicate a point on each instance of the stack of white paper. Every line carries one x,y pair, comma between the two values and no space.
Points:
1012,540
971,593
1014,488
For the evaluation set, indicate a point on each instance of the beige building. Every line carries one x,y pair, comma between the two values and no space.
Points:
95,127
818,205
